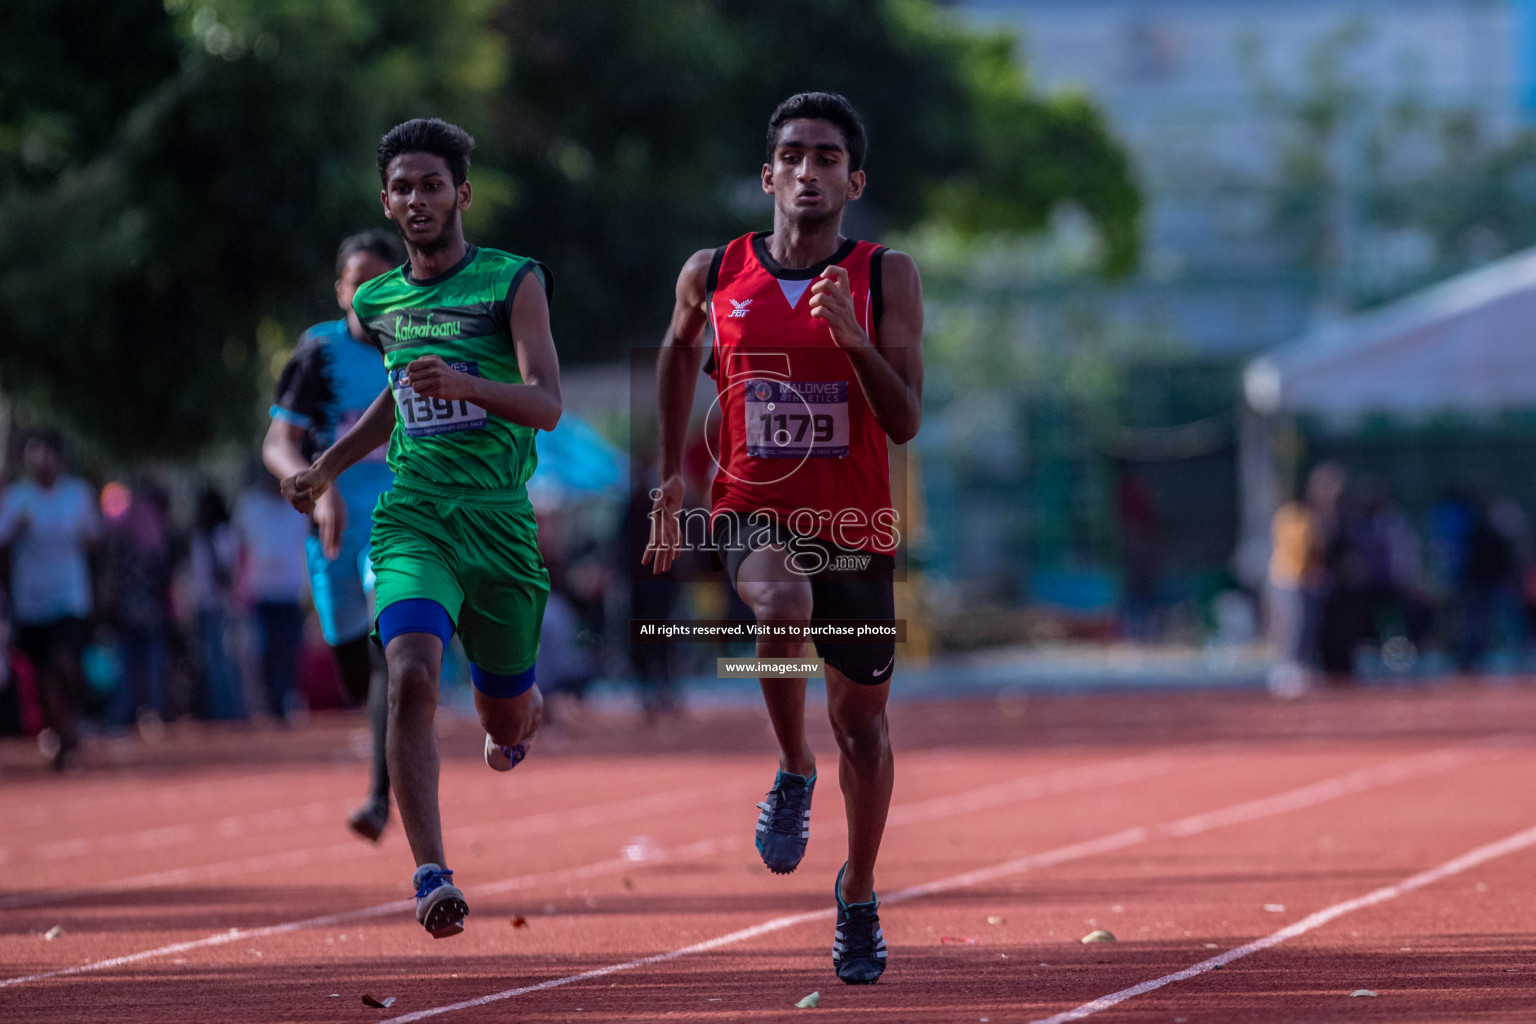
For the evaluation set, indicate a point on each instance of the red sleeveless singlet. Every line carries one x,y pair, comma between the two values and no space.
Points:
797,436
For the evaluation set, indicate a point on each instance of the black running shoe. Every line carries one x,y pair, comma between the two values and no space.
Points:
858,948
369,820
785,824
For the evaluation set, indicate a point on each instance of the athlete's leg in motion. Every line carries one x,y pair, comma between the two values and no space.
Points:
354,666
866,772
777,594
415,661
367,683
509,721
341,601
60,682
378,722
364,679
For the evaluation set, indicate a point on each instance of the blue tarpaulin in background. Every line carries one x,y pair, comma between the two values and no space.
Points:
575,461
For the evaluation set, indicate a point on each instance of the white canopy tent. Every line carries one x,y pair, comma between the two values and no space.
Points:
1467,345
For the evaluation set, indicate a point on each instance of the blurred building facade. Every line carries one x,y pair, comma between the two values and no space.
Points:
1301,160
1204,93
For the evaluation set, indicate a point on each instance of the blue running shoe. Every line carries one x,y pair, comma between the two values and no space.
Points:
504,759
440,906
858,947
785,824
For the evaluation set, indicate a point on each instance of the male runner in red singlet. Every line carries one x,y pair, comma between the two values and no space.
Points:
817,361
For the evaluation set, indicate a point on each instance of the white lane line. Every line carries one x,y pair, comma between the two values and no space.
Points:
127,792
172,835
535,824
561,877
1125,769
1481,855
1251,810
1031,787
1066,780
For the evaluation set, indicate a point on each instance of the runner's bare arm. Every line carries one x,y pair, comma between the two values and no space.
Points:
677,370
280,449
282,452
304,488
890,369
536,401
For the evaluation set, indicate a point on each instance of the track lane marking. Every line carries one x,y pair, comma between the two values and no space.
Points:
160,836
1510,844
1311,795
543,823
1066,780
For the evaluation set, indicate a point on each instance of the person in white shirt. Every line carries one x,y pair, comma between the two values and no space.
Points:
50,520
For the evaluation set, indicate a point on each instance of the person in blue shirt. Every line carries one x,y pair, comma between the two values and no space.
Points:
332,377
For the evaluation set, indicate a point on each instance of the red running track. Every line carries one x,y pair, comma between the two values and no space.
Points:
1257,861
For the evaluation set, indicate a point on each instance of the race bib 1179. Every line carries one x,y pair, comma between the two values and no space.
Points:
426,417
788,419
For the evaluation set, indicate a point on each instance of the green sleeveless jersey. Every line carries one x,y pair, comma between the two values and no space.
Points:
464,316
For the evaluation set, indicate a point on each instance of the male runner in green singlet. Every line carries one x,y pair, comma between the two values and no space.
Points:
472,375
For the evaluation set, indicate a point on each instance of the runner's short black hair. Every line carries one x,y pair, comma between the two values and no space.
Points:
428,135
822,106
375,242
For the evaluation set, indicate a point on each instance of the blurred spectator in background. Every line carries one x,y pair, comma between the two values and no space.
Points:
649,595
1141,553
1509,518
50,520
566,665
138,570
1362,537
1489,595
1388,549
1450,526
1293,544
1348,608
214,556
1325,513
20,713
271,578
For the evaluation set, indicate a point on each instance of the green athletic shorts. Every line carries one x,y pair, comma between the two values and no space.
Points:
476,556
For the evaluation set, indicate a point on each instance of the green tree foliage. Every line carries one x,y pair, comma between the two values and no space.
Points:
1382,191
177,175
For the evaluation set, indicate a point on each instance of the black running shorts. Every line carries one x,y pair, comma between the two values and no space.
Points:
845,583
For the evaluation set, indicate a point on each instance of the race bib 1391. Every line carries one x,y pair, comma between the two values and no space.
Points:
426,417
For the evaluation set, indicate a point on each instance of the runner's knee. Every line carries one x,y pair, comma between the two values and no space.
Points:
778,602
861,739
412,684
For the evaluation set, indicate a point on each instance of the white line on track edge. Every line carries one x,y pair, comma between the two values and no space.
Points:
1028,787
1305,796
1512,844
539,823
